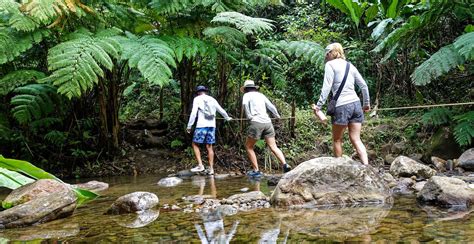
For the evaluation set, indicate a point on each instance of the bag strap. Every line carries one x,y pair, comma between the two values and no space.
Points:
339,90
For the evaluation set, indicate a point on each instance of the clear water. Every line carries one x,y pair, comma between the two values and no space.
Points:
405,221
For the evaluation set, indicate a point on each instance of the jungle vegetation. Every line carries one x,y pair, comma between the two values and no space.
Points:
72,72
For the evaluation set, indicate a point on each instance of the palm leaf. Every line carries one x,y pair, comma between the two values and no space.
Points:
12,180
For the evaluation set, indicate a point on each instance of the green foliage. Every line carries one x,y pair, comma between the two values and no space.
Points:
13,43
189,47
465,45
46,11
33,102
151,56
260,144
178,6
445,59
12,180
32,171
464,130
248,25
438,116
55,137
176,143
226,35
438,64
305,50
18,78
77,64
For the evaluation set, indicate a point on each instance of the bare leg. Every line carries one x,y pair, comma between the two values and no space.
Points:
210,155
249,144
276,151
213,187
354,135
337,134
197,153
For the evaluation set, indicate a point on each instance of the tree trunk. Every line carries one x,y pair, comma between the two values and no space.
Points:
186,76
223,80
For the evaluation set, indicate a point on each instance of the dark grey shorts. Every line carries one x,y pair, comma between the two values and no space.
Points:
348,113
260,130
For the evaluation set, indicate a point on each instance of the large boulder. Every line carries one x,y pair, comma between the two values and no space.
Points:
39,210
406,167
330,181
133,202
466,161
34,190
446,192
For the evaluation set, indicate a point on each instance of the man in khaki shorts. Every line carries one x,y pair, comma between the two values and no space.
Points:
256,105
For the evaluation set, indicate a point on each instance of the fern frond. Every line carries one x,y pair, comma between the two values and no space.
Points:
47,11
18,78
171,6
55,137
189,47
13,43
17,20
246,24
306,50
44,123
437,116
32,102
464,130
78,63
151,56
226,35
438,64
465,45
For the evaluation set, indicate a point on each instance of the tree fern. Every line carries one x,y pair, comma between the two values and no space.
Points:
47,11
151,56
18,78
226,35
17,19
13,43
78,63
437,116
438,64
171,6
445,59
55,137
189,47
306,50
32,102
403,32
465,45
464,130
248,25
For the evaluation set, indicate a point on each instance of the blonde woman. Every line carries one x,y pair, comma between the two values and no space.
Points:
348,112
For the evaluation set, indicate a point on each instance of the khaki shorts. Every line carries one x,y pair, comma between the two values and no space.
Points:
260,130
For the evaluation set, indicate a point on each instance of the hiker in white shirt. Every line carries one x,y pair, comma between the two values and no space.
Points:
255,106
349,113
204,108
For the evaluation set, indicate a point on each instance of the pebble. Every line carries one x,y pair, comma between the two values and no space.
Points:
471,186
175,207
245,189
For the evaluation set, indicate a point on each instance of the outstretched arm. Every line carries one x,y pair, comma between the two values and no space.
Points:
271,107
222,111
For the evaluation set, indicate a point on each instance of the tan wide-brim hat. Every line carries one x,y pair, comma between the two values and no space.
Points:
248,83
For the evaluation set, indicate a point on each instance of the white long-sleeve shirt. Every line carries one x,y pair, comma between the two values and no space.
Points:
256,105
333,74
198,107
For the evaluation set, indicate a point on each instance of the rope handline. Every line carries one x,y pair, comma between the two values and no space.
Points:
425,106
375,109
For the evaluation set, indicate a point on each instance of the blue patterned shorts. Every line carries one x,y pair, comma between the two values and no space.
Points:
348,113
206,135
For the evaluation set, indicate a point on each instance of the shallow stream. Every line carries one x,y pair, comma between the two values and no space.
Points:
405,221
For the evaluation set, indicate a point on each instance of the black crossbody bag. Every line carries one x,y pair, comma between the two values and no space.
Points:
333,101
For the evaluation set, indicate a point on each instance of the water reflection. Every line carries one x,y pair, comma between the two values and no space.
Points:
137,220
214,231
